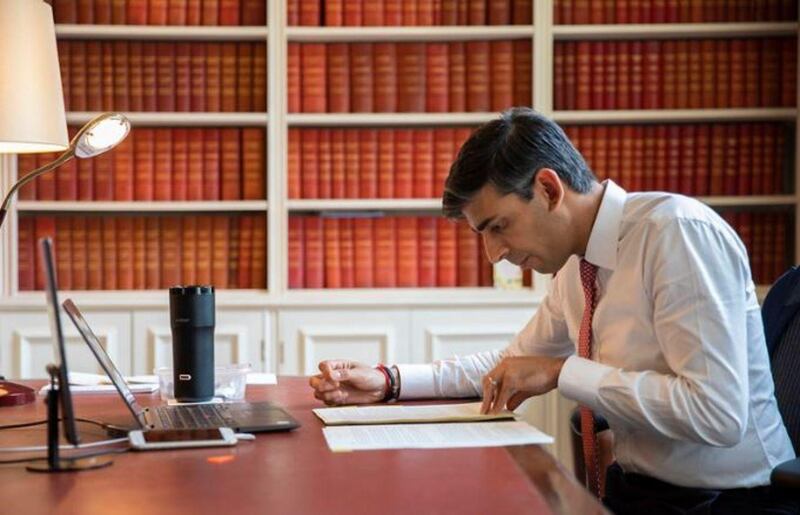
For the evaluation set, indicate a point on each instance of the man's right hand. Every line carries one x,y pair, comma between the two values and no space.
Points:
348,382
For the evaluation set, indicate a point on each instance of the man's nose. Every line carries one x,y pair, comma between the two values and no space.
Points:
495,250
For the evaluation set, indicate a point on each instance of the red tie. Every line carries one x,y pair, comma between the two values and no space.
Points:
588,276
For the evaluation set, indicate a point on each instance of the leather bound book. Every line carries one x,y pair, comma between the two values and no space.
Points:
352,155
101,185
688,165
581,12
695,75
26,163
476,14
244,84
478,94
744,178
124,228
770,95
66,180
610,72
426,231
717,160
403,163
651,80
220,245
597,67
457,79
110,245
623,96
78,90
392,13
254,12
443,153
447,253
309,14
661,166
149,73
65,11
769,157
194,12
681,74
314,86
259,77
423,163
152,267
296,253
645,179
170,251
139,253
165,81
137,12
468,250
203,252
333,13
523,73
245,277
636,74
124,168
210,12
94,253
363,242
63,251
180,163
293,12
361,73
789,71
502,75
233,254
338,77
293,78
79,252
559,77
368,163
135,77
732,156
352,12
230,157
437,71
409,11
737,72
315,252
626,162
385,271
229,12
673,161
583,86
116,80
176,12
254,164
188,233
386,163
211,164
309,164
293,165
614,135
213,77
346,252
144,174
638,158
157,12
407,252
600,151
162,164
194,171
325,163
229,81
411,77
385,80
338,165
757,149
707,73
426,11
183,77
702,160
499,12
449,12
94,76
562,15
65,68
333,261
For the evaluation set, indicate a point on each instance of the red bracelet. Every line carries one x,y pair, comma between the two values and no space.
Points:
388,378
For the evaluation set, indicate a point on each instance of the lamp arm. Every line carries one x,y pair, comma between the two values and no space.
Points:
63,158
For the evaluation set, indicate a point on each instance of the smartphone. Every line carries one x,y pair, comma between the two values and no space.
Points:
158,439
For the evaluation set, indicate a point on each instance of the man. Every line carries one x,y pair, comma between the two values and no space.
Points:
653,289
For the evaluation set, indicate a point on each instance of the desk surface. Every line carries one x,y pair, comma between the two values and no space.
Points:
290,472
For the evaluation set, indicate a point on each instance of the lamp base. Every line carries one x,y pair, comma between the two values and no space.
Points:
71,464
12,394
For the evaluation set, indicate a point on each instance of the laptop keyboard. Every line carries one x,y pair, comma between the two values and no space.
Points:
191,417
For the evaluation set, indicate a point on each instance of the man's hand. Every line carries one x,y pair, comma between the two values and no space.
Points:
348,382
515,379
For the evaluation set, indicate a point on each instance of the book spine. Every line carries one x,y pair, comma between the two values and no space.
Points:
338,164
203,252
259,253
183,77
195,164
245,277
315,253
139,253
309,164
502,74
314,86
447,253
437,67
386,160
407,252
79,253
368,163
94,253
426,230
333,262
244,79
162,164
259,77
423,163
180,163
293,81
229,79
230,154
293,164
324,163
165,80
385,271
352,163
144,150
124,227
220,244
411,77
63,251
110,246
468,251
385,79
171,251
361,72
213,82
296,252
404,164
211,164
338,59
363,252
478,94
347,252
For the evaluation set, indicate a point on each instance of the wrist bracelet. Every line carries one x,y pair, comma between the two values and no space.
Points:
390,386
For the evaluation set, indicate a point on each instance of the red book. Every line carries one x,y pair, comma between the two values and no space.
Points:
599,157
194,169
123,165
229,12
254,12
27,254
157,12
637,76
403,163
109,243
230,154
427,12
437,71
314,86
65,67
449,12
88,11
363,253
79,253
296,252
731,160
688,169
220,243
229,82
26,163
392,13
447,256
443,153
309,13
149,86
153,265
63,251
426,230
423,163
347,252
94,76
638,158
176,12
385,79
78,57
66,180
770,162
597,63
245,70
411,77
613,151
626,163
162,164
789,71
407,252
478,73
707,73
116,82
580,12
610,67
673,160
770,73
752,74
717,160
737,72
623,86
135,77
194,12
211,164
137,12
180,163
462,13
583,98
144,174
695,75
245,276
124,252
468,254
259,77
372,14
368,163
233,253
293,78
352,13
325,163
476,12
203,253
183,77
338,166
661,165
165,63
333,262
502,75
385,271
94,253
361,72
722,74
651,80
139,253
213,77
757,151
351,163
338,78
386,163
315,253
293,12
210,12
409,11
170,247
522,12
188,249
65,11
294,181
309,164
254,164
523,73
499,12
744,179
102,187
457,79
560,92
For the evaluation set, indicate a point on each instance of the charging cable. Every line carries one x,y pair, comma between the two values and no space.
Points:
245,436
37,448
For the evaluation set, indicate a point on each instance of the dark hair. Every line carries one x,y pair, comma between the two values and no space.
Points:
508,152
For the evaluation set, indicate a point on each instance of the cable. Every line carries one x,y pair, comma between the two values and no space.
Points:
87,455
36,448
40,422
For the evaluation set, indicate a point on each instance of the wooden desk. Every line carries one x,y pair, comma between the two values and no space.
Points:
284,473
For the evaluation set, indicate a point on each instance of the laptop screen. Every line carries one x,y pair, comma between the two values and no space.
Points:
104,359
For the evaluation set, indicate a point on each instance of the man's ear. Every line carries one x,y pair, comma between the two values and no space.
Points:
548,184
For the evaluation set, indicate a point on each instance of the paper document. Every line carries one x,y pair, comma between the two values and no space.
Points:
105,388
432,436
397,414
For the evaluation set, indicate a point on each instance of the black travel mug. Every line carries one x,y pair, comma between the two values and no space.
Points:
191,312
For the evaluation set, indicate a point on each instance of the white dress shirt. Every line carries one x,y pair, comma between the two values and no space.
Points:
679,365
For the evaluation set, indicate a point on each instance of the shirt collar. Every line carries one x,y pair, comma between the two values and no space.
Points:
602,247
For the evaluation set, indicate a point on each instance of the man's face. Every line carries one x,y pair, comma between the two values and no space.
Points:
530,233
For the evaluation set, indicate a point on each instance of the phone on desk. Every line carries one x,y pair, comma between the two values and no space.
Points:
158,439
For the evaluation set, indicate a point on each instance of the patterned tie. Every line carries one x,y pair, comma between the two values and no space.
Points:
588,276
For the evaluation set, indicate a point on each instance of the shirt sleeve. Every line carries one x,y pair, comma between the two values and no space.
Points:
698,277
544,334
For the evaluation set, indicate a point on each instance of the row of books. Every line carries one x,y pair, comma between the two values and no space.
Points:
693,159
334,13
674,74
580,12
160,164
371,163
384,252
472,76
163,76
161,12
765,234
145,252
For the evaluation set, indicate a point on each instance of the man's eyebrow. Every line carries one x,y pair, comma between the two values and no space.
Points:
481,226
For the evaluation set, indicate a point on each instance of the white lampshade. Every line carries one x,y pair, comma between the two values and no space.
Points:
31,101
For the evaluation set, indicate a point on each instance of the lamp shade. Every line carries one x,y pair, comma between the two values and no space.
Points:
31,101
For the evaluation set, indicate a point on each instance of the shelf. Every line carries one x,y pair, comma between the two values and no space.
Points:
673,30
187,119
123,299
750,201
365,204
788,114
142,206
169,32
437,33
386,119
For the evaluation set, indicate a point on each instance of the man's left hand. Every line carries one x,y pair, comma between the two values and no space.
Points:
515,379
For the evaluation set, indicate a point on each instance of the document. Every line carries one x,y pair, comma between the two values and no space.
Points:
432,436
104,388
398,414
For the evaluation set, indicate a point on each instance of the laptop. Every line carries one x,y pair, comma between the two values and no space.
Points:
249,417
